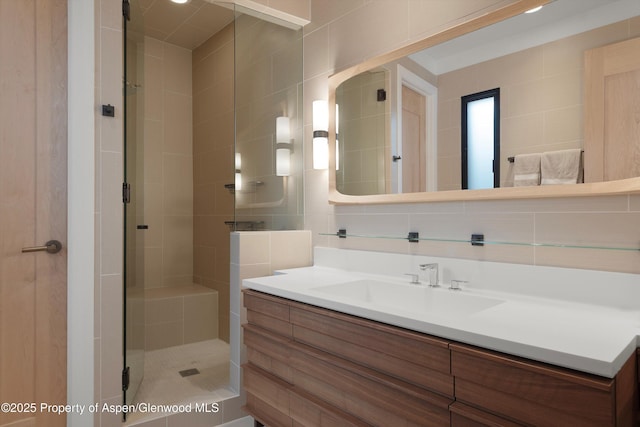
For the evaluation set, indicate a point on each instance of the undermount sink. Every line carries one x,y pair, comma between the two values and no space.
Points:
414,298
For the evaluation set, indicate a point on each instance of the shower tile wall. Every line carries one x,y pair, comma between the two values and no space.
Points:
213,148
168,165
180,315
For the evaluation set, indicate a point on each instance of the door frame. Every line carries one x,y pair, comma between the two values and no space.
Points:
405,77
81,207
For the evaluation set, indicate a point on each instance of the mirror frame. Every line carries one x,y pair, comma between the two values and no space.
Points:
625,186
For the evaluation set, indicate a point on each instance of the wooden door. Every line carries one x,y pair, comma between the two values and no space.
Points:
612,112
414,177
33,141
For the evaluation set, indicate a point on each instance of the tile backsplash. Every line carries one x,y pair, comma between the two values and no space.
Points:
612,221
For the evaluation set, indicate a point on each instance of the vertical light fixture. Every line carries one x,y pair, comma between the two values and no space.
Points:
238,180
337,137
320,135
283,146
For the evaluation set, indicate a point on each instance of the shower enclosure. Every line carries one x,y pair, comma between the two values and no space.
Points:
205,85
133,198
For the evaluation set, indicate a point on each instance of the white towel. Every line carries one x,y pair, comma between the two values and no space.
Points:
526,170
561,167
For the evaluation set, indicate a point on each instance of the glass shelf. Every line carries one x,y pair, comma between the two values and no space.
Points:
476,241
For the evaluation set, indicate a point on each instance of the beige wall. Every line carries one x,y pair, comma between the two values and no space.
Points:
540,98
168,165
343,33
213,147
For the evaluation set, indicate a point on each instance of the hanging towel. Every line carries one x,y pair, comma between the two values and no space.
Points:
561,167
526,170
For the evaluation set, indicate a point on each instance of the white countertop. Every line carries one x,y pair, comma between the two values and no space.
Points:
586,337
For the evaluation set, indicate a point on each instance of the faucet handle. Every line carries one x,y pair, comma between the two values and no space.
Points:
455,285
415,278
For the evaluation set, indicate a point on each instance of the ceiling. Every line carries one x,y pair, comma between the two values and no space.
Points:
186,25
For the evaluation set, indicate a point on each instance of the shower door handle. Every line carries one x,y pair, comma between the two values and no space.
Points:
52,247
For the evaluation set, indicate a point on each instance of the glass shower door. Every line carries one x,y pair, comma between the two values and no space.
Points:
134,227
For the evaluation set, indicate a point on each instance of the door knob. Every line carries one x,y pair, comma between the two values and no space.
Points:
52,246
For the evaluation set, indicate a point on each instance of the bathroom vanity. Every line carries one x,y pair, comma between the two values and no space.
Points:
314,367
331,355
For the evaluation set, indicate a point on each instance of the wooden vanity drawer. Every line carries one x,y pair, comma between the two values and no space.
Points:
267,305
417,348
268,351
270,323
531,392
365,393
467,416
412,357
308,411
267,396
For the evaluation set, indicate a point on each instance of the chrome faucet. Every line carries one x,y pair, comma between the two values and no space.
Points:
433,268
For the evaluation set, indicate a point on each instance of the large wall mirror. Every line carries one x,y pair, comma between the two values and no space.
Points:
399,130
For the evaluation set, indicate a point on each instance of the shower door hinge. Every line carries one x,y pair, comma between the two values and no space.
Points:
126,10
125,379
126,193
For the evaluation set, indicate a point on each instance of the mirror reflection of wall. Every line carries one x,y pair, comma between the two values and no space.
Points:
364,133
541,88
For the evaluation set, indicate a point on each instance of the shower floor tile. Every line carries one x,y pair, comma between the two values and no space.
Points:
163,384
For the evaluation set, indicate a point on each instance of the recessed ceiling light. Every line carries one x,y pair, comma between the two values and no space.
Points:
181,1
534,10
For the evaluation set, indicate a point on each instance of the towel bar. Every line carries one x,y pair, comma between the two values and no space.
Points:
513,159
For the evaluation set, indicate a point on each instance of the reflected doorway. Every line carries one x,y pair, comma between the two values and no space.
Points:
414,147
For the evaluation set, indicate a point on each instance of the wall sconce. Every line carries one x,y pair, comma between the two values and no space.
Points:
238,180
337,137
283,146
320,135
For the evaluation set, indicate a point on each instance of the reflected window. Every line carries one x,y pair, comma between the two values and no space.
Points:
481,140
